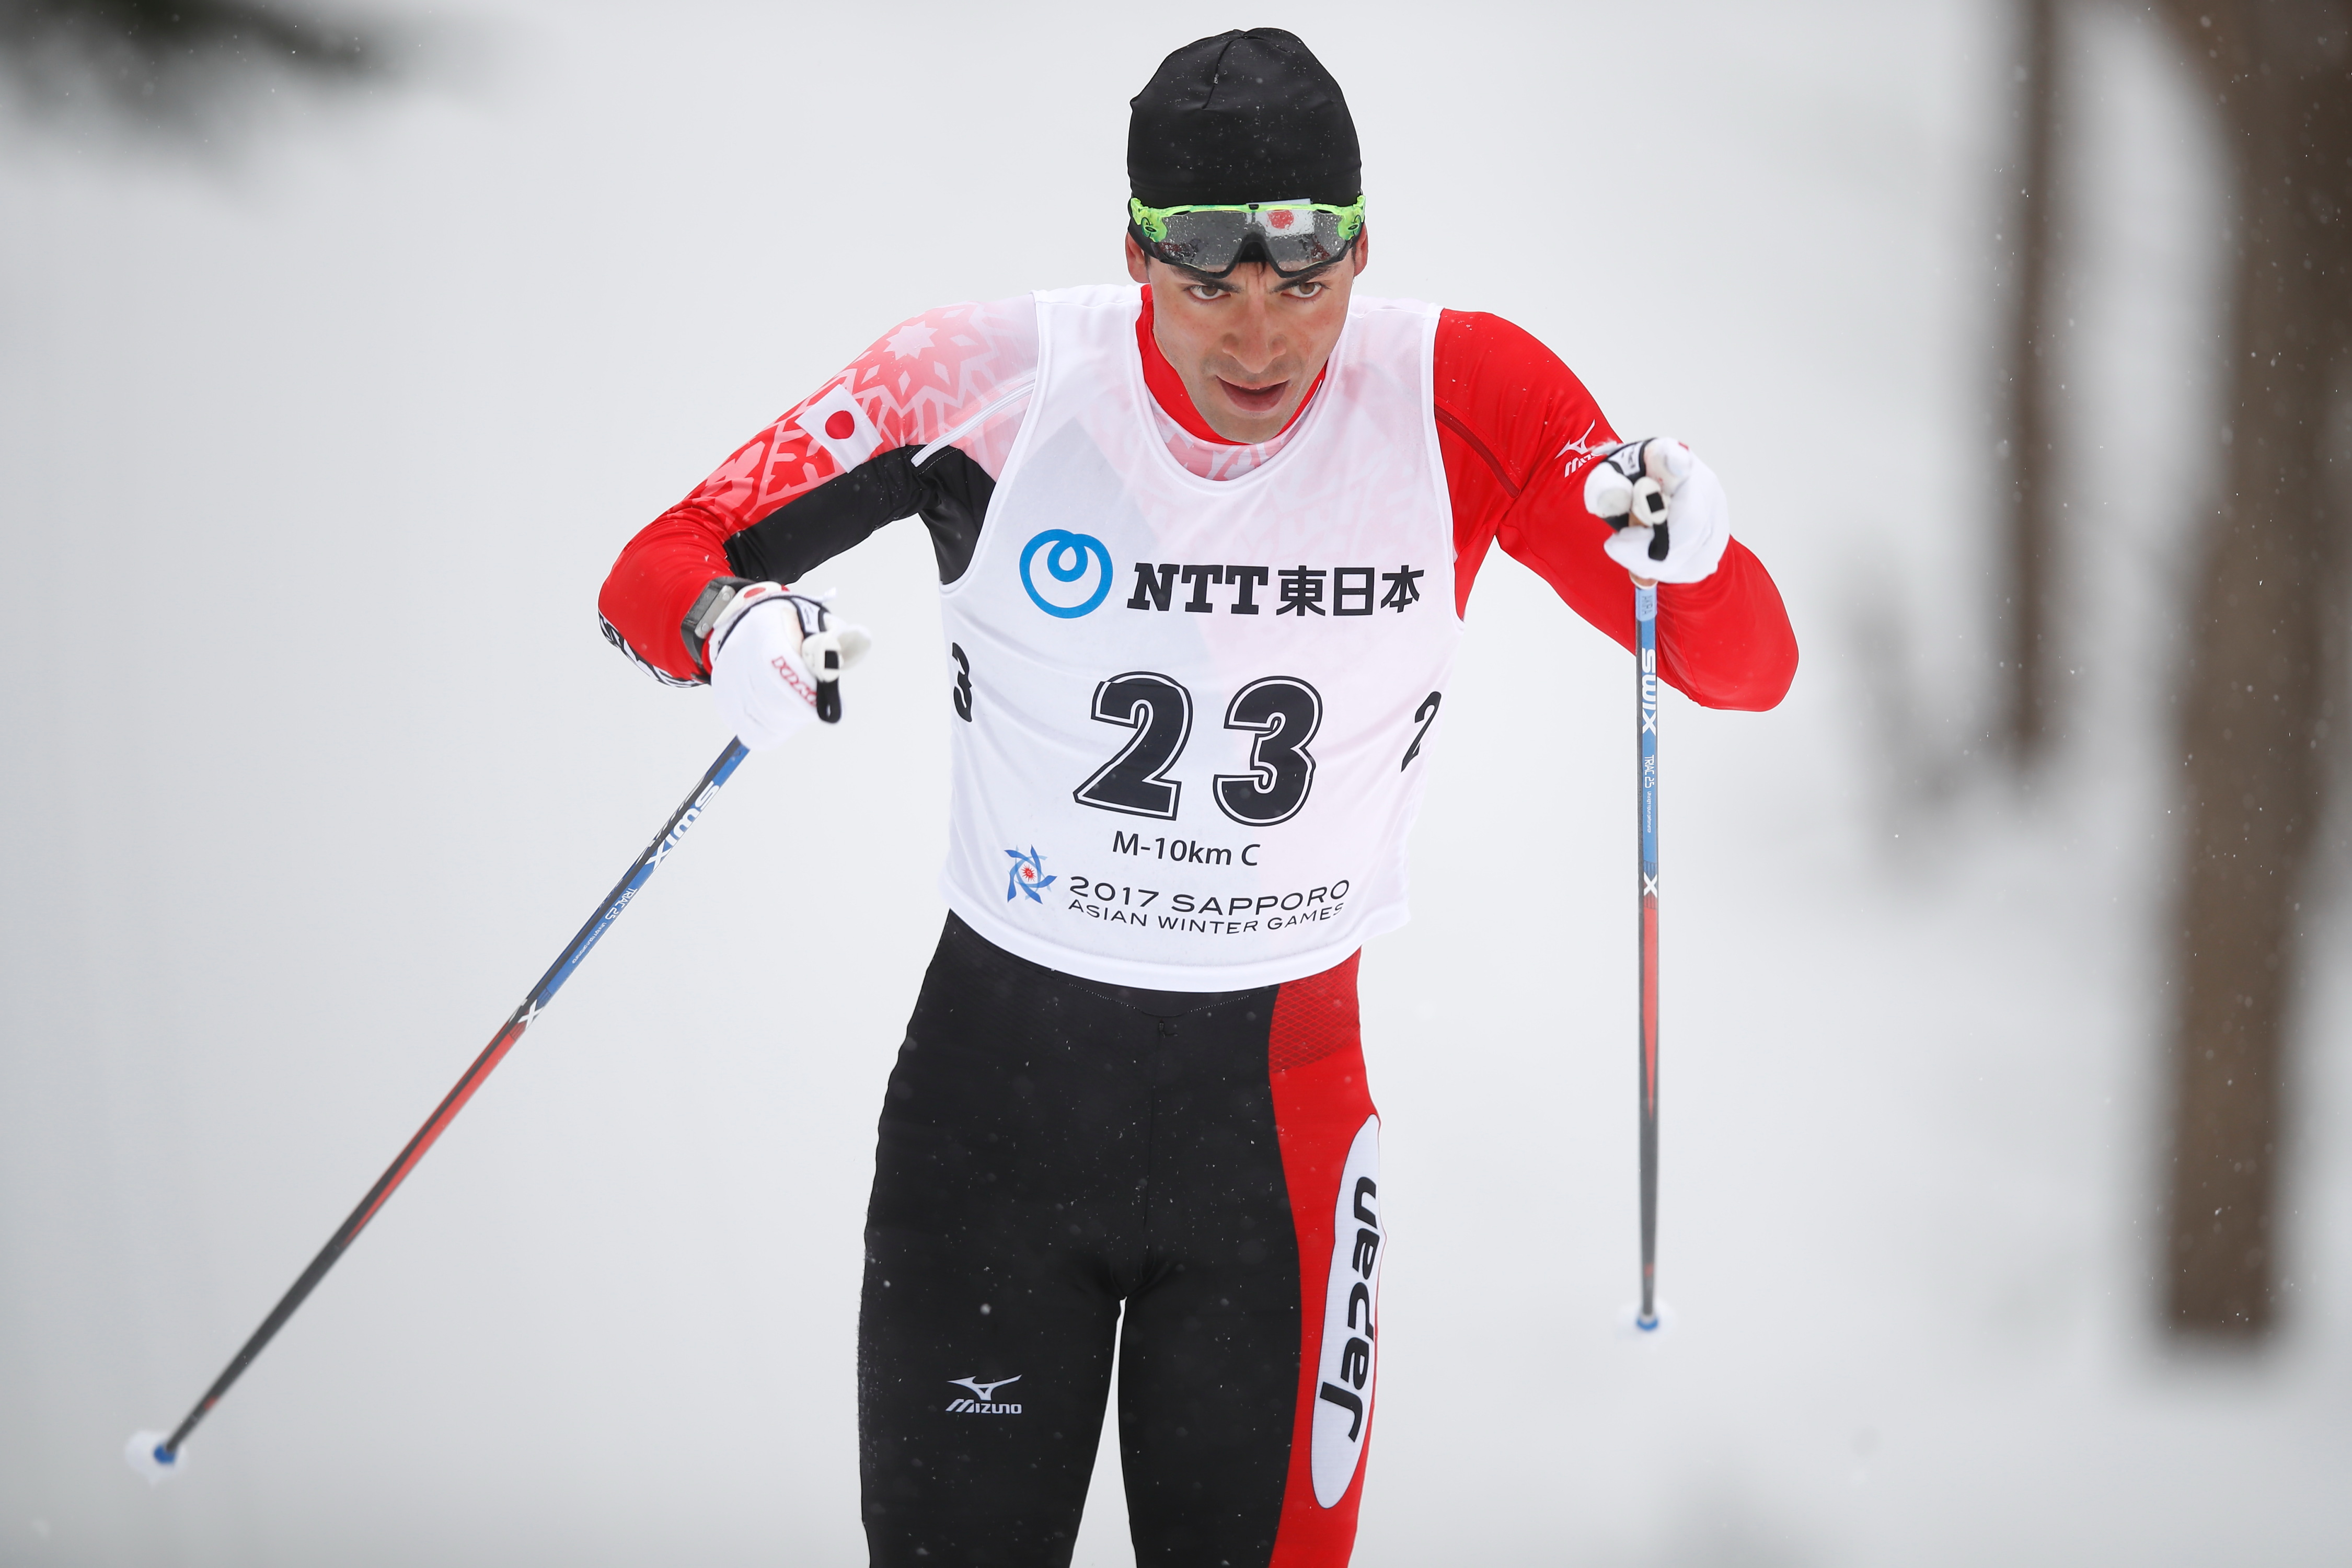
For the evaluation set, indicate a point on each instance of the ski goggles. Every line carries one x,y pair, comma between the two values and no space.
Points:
1294,237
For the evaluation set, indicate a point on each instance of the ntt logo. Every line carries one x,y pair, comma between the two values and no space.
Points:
1076,575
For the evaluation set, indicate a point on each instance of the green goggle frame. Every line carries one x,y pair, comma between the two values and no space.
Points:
1294,237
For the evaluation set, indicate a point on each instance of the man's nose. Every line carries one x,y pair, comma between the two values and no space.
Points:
1254,340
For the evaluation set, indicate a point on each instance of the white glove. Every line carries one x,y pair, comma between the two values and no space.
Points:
1656,491
776,660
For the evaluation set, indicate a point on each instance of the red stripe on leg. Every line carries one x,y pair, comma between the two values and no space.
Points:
1314,1062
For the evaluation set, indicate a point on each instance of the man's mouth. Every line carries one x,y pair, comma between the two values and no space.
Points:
1254,399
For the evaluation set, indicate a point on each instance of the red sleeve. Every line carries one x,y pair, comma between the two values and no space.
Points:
907,388
1517,430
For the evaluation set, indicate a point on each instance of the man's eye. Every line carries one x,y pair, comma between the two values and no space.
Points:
1207,293
1306,290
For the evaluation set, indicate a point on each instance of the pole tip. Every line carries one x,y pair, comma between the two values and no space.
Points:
1632,1325
148,1458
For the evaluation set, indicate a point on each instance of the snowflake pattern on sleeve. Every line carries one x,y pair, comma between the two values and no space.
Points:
911,387
924,379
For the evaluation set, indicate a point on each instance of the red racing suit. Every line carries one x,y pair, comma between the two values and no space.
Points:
1061,1163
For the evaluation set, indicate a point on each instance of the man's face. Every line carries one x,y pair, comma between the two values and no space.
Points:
1249,344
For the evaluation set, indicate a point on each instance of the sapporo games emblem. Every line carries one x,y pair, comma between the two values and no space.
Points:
1028,876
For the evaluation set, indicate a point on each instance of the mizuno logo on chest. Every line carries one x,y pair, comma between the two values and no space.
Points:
1300,591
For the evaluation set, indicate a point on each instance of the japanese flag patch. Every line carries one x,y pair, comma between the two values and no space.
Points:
837,424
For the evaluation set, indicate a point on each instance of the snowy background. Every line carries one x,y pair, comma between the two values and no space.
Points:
315,445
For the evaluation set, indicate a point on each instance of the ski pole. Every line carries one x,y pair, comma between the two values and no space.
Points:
1645,700
1621,490
153,1454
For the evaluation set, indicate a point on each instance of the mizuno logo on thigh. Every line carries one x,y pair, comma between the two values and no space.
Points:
986,1404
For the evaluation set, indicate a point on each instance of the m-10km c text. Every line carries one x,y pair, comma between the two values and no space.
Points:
1183,851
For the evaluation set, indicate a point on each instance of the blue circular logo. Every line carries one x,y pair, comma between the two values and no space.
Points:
1067,557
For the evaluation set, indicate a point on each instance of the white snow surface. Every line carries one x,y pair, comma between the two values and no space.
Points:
315,445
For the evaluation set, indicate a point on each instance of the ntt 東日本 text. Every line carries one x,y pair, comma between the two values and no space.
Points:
1299,591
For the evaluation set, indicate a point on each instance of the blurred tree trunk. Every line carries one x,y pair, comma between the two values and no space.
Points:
164,63
2028,441
2267,596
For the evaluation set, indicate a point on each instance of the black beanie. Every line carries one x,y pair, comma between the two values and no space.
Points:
1242,117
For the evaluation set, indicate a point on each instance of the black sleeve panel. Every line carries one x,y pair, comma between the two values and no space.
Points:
950,493
956,493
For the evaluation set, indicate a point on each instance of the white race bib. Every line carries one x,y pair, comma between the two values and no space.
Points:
1199,711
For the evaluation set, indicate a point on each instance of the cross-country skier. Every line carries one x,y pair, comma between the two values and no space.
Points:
1203,549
